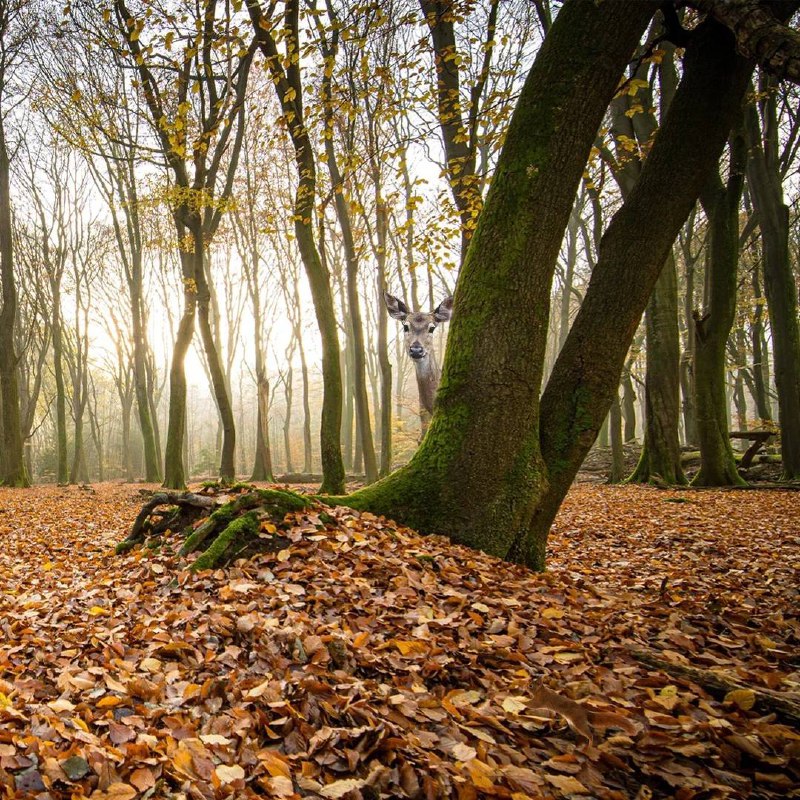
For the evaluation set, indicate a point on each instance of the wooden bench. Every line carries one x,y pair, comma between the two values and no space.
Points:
758,438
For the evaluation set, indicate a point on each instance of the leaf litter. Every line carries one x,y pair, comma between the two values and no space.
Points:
365,661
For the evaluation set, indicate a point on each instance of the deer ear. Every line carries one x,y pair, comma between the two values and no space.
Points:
444,310
397,308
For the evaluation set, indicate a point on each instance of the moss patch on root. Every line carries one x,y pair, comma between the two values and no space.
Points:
233,530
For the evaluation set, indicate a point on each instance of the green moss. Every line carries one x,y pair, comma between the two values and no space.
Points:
231,540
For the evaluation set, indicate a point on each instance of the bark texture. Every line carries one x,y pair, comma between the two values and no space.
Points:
721,204
632,253
766,191
479,473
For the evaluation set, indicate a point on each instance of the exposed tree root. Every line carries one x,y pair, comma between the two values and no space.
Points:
719,684
234,527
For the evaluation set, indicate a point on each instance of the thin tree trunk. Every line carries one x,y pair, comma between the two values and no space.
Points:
760,353
764,180
721,204
12,461
615,434
661,455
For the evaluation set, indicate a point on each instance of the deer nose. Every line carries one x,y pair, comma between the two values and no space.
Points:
416,350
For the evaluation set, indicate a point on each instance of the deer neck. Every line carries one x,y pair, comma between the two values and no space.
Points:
428,375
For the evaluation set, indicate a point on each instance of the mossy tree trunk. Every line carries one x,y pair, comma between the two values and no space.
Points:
633,251
479,472
712,328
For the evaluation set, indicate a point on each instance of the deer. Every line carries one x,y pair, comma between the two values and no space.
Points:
419,328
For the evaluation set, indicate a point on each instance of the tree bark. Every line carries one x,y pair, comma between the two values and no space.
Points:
766,191
721,204
13,461
633,251
479,472
760,353
661,454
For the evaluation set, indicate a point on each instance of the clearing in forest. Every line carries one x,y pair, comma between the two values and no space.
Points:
363,660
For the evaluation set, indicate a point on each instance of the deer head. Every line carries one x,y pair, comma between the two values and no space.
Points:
418,326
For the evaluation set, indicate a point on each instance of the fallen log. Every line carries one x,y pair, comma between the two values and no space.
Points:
718,684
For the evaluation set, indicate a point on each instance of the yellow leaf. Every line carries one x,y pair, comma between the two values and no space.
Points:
744,698
229,774
513,705
553,613
407,648
5,701
96,611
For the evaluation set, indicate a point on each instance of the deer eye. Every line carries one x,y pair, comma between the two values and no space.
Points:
431,329
405,327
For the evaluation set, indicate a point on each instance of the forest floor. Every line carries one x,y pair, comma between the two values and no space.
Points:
365,661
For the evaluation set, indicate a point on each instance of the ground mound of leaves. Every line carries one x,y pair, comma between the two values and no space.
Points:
364,661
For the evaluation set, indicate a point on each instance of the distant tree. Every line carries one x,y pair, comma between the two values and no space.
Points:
195,99
766,168
17,28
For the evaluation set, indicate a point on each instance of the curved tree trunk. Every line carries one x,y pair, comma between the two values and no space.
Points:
479,472
633,251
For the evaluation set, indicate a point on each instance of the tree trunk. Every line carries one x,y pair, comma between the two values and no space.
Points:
174,469
721,204
687,361
287,418
628,406
306,404
661,455
152,465
219,386
479,472
615,434
12,462
766,191
760,354
62,469
633,251
384,362
363,422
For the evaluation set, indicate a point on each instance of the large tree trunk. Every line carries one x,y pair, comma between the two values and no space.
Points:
12,462
479,472
721,204
633,251
764,181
